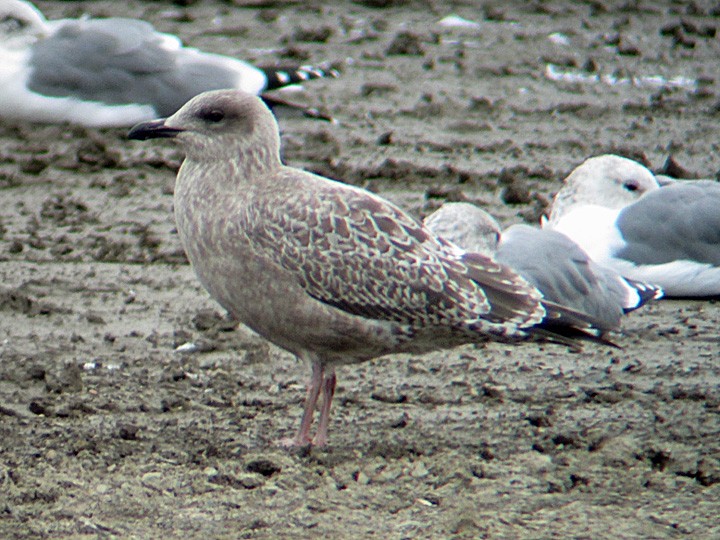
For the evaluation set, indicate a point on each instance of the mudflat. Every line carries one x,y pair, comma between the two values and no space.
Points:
131,407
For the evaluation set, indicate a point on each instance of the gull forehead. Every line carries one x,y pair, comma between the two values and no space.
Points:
605,170
218,111
220,105
222,120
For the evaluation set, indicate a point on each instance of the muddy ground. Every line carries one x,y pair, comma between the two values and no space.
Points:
131,408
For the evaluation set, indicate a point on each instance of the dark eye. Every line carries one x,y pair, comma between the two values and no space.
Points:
212,115
11,24
631,186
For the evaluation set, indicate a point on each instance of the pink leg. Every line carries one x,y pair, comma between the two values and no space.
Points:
328,393
313,391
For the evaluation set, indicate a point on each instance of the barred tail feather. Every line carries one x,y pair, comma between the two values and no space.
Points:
277,77
645,291
567,326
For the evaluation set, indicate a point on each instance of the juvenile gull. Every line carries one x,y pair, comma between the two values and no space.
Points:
113,72
549,260
330,272
669,235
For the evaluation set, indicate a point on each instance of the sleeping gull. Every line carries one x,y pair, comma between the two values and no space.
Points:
549,260
330,272
666,235
113,72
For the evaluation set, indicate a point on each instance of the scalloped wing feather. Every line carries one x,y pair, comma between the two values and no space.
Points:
362,255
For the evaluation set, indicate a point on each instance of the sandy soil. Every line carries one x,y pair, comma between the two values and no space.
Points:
107,430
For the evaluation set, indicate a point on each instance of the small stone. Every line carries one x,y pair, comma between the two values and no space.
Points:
405,43
385,139
362,478
264,467
15,246
210,472
152,479
128,432
419,470
65,378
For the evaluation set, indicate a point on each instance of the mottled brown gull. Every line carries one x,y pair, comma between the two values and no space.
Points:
330,272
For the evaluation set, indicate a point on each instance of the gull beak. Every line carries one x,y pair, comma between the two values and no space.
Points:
154,129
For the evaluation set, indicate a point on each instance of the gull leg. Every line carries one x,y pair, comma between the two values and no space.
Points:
328,389
313,391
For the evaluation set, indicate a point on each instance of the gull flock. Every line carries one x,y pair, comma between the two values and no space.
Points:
333,273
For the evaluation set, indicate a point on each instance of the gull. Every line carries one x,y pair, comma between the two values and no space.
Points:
329,272
549,260
666,235
114,71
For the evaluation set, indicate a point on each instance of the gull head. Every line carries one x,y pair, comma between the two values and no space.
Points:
220,125
21,24
466,226
608,180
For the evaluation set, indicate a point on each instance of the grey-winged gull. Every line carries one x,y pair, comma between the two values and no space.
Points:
549,260
330,272
668,235
607,180
114,71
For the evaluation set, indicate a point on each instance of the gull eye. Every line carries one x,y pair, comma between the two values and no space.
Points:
212,115
12,24
631,186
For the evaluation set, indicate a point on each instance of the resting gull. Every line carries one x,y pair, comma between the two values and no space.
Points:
330,272
668,235
113,72
549,260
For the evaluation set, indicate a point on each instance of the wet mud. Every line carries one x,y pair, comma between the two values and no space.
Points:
131,407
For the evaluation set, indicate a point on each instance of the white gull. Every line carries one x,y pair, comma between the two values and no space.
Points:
114,71
670,236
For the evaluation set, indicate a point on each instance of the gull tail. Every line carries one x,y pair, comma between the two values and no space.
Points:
283,106
520,305
645,293
568,327
277,77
